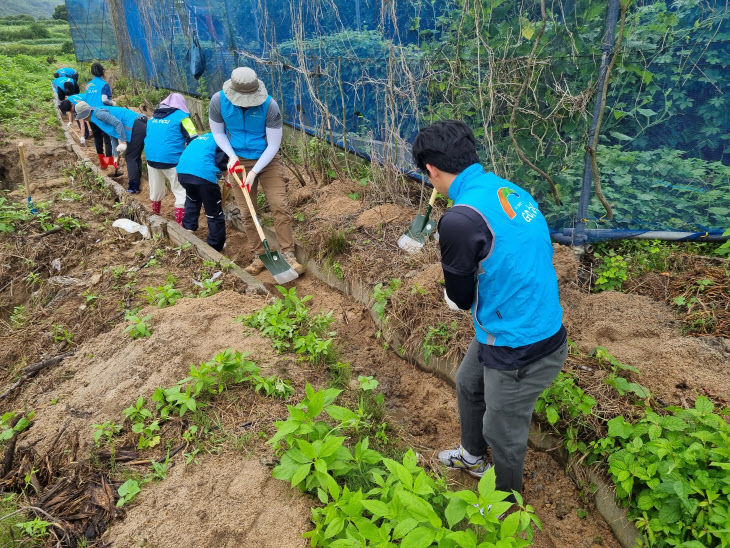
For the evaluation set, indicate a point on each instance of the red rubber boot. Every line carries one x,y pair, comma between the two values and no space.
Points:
179,214
102,161
156,207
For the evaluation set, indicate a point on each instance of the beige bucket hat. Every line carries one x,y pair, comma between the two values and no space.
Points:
244,89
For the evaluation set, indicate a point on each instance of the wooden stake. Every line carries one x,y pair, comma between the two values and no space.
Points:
21,151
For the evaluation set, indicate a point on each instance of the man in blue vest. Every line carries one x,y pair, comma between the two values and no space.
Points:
247,125
62,87
200,165
168,131
68,72
496,257
124,126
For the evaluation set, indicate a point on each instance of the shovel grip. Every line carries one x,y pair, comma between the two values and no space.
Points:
432,200
250,206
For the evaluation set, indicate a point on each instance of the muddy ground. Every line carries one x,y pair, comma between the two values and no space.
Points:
227,497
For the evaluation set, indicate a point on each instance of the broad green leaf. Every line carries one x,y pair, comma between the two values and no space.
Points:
420,537
704,405
488,483
465,539
404,527
455,511
510,524
301,473
335,526
376,507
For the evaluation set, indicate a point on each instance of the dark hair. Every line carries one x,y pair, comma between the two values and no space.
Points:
97,69
56,75
69,87
449,145
65,106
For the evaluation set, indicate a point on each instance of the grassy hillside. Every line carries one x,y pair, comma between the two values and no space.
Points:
43,37
36,8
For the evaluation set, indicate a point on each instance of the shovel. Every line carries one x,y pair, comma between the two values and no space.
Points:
419,231
273,260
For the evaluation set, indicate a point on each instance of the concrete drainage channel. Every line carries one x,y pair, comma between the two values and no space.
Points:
624,531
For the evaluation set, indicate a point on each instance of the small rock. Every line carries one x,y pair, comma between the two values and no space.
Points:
539,487
562,509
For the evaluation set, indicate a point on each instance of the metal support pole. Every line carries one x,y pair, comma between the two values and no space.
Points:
609,38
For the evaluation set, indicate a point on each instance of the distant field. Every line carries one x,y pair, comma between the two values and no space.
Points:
38,37
36,8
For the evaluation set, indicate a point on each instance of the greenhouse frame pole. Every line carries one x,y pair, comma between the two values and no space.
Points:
609,38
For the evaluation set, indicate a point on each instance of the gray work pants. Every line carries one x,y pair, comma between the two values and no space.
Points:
495,409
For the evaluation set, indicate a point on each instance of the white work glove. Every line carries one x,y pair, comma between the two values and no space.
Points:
233,164
250,179
451,304
122,148
68,125
82,141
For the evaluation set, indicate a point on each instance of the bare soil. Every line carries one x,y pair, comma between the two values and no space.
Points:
230,490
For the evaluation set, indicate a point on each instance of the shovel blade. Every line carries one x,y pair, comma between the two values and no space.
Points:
417,234
278,267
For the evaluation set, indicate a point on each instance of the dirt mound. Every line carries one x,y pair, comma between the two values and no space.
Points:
225,501
641,332
565,263
385,213
429,278
108,373
338,207
300,195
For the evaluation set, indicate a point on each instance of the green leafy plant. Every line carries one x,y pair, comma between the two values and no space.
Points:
622,385
611,272
288,323
137,412
724,249
381,294
353,196
209,287
139,327
19,317
33,278
563,399
69,195
272,386
164,295
159,469
675,470
104,433
61,334
437,338
7,432
148,434
37,529
90,298
127,492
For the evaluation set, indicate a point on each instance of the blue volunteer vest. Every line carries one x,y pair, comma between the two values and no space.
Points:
164,141
198,159
124,115
517,299
246,129
93,92
67,72
76,98
59,82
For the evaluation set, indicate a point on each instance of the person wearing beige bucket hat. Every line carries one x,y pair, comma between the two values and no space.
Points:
247,125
